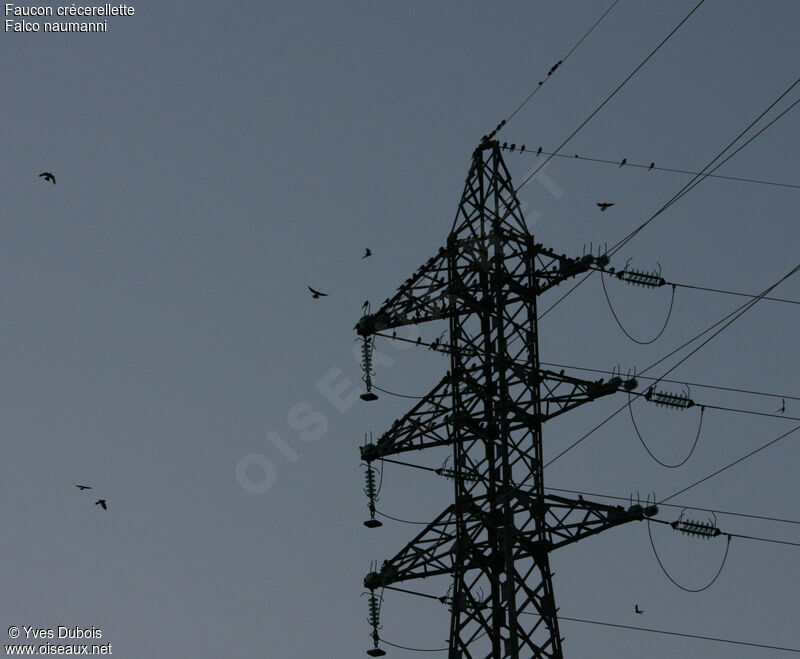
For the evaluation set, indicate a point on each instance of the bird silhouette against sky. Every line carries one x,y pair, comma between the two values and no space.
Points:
604,204
637,609
317,294
652,164
539,151
84,487
367,252
48,177
624,160
101,502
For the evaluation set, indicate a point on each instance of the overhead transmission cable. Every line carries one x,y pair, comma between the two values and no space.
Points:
691,384
610,96
654,167
715,639
693,636
726,321
560,62
688,186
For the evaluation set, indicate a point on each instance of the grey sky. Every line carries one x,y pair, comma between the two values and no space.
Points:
212,160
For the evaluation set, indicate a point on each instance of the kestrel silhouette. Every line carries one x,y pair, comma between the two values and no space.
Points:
48,177
637,609
603,205
101,502
652,164
84,487
540,148
367,252
624,160
316,294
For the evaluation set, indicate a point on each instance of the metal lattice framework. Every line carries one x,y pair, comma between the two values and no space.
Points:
495,539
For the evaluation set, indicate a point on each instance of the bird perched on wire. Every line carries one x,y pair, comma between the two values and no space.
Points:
48,177
539,151
603,205
84,487
624,160
367,253
652,164
637,609
316,294
101,503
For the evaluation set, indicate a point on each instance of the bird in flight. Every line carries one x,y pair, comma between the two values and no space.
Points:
84,487
48,177
604,204
316,294
624,160
101,502
367,252
637,609
783,406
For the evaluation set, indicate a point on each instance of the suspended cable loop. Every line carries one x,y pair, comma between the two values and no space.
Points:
664,570
616,318
650,453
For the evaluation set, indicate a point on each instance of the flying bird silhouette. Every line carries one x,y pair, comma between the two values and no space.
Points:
624,160
603,205
101,502
84,487
637,609
367,252
652,164
316,294
48,177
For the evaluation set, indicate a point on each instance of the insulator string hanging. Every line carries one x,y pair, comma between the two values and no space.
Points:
367,345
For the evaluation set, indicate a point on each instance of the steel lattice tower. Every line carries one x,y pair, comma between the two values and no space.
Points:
494,540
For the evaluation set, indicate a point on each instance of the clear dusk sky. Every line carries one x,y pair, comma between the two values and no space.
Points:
158,341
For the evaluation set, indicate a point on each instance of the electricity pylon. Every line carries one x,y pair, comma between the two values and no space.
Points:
494,540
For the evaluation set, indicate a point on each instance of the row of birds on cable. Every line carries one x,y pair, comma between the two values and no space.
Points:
513,146
99,502
318,294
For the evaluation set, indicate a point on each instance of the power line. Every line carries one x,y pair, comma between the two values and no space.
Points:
610,96
662,169
688,187
691,384
681,506
735,462
682,634
560,62
618,274
728,320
